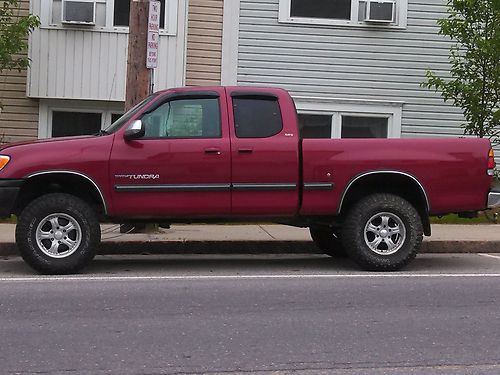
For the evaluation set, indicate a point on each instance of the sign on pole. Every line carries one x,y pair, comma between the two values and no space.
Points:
153,34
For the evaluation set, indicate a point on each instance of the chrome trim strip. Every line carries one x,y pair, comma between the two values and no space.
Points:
494,199
318,186
75,173
379,172
207,187
174,187
263,186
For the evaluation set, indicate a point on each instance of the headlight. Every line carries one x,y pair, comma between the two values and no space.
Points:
4,160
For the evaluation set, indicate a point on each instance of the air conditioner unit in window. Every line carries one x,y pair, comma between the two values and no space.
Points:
379,11
78,12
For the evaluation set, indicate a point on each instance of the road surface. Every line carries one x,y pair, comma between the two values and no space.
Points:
252,314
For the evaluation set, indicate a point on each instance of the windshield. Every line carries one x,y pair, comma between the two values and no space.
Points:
128,115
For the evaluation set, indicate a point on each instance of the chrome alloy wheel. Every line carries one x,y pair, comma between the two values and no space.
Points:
384,233
58,235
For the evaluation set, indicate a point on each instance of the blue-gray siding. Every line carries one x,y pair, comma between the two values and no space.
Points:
352,62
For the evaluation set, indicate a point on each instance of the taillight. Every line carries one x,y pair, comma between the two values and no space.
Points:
491,162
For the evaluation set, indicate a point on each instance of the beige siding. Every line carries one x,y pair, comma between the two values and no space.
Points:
204,44
19,117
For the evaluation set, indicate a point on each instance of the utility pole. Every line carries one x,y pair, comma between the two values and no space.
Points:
138,75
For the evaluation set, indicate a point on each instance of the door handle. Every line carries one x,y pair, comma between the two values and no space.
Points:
245,150
212,150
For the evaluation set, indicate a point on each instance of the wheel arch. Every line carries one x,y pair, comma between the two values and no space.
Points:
64,181
399,183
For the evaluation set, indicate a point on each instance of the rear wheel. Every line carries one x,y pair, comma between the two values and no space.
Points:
58,234
383,232
328,241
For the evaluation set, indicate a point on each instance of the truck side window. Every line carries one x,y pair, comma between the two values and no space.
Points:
184,118
256,117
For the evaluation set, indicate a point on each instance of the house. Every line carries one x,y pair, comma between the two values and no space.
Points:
354,67
76,81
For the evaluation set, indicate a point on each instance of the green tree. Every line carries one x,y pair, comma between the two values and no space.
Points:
14,30
474,27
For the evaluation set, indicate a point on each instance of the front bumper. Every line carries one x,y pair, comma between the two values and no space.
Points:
9,190
494,198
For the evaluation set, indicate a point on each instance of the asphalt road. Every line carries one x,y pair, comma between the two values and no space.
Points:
274,314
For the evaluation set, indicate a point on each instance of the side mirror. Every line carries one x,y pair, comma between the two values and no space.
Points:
135,131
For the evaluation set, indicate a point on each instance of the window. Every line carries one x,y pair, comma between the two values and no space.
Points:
315,126
363,13
122,13
351,126
348,118
115,117
364,127
112,15
256,117
75,123
334,9
185,118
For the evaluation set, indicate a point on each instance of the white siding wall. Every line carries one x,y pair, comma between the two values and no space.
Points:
90,64
352,63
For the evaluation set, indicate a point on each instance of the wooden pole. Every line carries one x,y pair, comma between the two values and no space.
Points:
138,75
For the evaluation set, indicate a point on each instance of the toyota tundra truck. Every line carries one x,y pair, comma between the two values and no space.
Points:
225,154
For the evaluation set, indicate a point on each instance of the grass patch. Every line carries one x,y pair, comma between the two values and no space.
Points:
10,220
483,218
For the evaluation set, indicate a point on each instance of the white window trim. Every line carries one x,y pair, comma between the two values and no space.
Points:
47,107
171,11
230,34
400,17
352,107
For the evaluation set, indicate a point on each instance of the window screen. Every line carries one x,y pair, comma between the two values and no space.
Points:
364,127
334,9
256,117
315,126
186,118
122,13
75,123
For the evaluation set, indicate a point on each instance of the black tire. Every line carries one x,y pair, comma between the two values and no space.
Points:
379,247
328,241
77,245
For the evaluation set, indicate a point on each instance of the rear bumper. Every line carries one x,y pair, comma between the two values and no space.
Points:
9,190
494,198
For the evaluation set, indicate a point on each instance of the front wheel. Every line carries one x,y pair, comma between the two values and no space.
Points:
383,232
58,234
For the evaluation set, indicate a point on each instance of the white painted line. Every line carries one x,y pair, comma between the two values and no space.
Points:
246,277
490,256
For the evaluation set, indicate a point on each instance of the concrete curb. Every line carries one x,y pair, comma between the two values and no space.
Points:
256,247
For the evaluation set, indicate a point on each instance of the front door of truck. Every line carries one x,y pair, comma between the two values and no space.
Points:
181,166
265,156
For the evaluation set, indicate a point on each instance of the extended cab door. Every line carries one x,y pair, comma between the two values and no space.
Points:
265,152
181,166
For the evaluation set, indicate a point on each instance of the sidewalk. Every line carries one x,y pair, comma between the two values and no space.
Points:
254,239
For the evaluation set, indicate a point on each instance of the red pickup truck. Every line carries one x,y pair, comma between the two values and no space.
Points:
235,153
